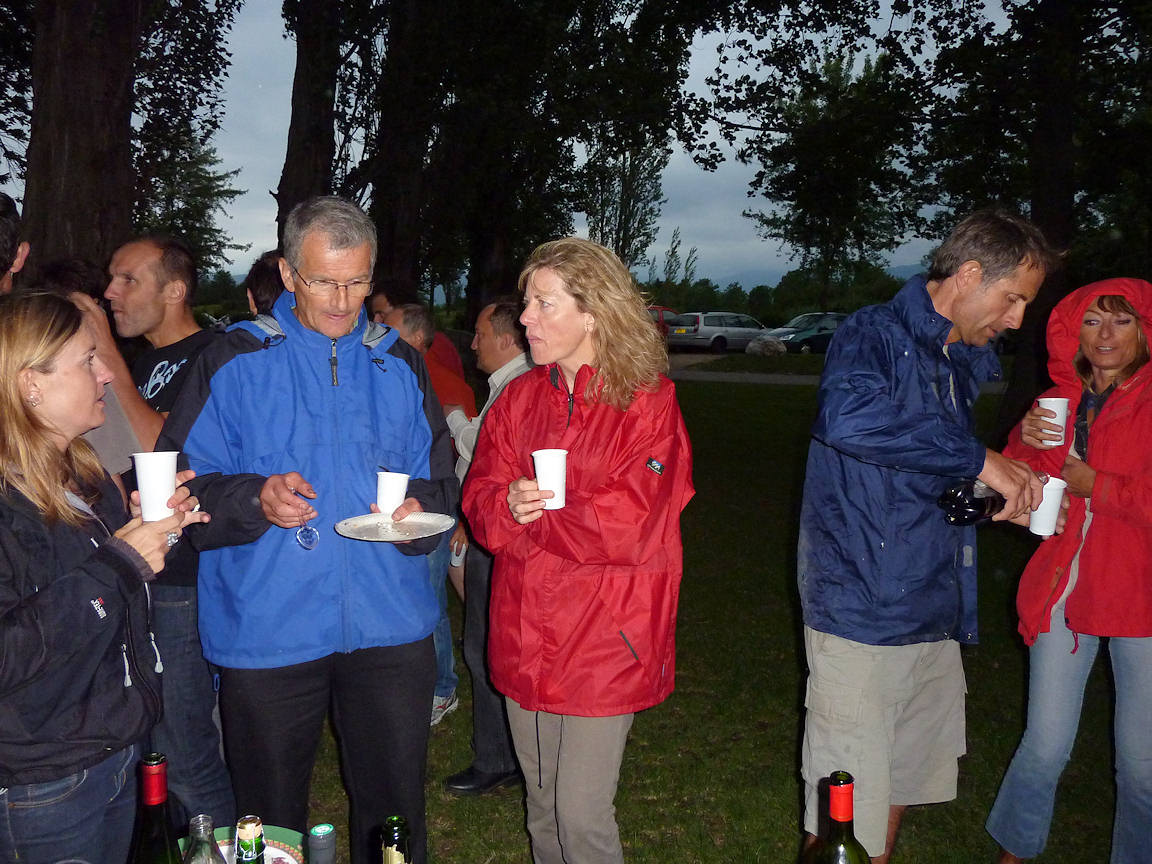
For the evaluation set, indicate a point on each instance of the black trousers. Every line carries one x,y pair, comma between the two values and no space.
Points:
380,699
491,739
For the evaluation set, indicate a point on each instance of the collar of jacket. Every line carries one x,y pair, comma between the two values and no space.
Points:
283,323
14,505
913,306
560,383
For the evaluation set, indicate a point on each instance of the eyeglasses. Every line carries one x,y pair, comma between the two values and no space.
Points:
358,289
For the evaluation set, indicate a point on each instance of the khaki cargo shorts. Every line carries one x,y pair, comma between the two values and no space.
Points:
892,716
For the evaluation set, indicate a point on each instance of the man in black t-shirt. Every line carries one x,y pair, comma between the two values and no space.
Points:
152,284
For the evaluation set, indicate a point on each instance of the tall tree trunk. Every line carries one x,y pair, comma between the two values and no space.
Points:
78,195
490,272
1057,42
410,98
311,131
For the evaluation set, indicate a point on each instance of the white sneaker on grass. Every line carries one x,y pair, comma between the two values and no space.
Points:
443,706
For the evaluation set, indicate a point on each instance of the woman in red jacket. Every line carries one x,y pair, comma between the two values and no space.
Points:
583,607
1095,579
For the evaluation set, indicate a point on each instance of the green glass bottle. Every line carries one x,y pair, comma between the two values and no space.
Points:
322,844
153,840
249,840
395,841
841,845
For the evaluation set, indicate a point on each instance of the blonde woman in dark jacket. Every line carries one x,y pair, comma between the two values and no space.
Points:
79,672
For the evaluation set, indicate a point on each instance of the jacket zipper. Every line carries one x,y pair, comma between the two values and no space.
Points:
332,363
128,652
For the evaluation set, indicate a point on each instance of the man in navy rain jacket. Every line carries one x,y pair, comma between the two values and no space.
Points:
888,588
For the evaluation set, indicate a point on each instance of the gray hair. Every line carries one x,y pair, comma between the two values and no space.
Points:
999,241
418,321
345,225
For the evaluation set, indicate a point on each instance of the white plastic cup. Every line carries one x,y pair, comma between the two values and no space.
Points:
457,557
1060,406
156,480
551,475
391,490
1042,520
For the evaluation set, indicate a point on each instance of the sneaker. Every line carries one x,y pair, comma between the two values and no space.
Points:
442,706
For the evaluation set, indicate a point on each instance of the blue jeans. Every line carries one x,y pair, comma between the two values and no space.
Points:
446,678
84,818
1022,814
188,733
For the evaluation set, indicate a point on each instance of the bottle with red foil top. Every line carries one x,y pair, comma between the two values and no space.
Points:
841,845
154,841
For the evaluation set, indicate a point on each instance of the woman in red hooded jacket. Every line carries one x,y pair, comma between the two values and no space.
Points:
1095,579
583,606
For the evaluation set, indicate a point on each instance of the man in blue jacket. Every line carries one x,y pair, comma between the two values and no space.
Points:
888,588
287,420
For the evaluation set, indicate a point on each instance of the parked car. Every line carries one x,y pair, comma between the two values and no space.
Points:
661,316
809,333
716,331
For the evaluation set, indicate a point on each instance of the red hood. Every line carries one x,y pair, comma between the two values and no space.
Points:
1064,322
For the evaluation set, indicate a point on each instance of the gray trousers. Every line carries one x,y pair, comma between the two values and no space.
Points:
571,767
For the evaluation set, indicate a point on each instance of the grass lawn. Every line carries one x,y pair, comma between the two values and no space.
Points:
791,364
712,774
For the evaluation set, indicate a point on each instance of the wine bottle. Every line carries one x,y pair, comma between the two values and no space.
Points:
249,840
970,503
322,844
154,841
395,842
202,848
841,845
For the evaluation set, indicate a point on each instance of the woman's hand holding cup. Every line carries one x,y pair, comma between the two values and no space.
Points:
1042,426
526,501
153,539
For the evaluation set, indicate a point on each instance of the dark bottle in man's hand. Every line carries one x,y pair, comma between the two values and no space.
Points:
970,503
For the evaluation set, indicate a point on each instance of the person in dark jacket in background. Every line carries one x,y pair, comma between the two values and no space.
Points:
888,588
79,672
13,250
263,283
583,605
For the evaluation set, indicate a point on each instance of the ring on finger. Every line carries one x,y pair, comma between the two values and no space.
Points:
173,538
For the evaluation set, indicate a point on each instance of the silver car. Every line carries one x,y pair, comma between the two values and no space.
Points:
716,331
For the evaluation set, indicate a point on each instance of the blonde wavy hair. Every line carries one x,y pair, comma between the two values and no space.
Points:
630,352
34,328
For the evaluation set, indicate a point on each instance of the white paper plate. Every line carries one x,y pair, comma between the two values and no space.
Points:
380,528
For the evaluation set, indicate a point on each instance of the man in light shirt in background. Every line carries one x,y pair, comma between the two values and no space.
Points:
499,347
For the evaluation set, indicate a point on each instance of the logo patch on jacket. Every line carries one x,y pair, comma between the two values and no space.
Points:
98,605
658,467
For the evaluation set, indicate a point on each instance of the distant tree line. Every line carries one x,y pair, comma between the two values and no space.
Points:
803,289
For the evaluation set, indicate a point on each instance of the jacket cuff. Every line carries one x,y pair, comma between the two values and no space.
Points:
457,421
129,553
